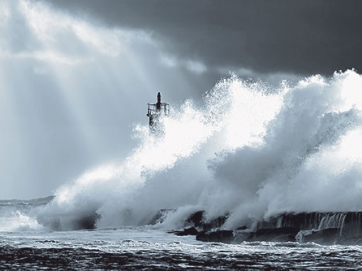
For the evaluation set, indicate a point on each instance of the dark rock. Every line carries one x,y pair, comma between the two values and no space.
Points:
196,219
196,222
325,237
241,236
187,231
224,236
160,216
242,228
214,223
319,227
274,234
350,222
86,222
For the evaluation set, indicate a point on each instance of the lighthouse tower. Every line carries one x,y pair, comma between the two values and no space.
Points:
155,111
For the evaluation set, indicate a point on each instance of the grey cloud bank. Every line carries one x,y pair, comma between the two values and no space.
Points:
302,37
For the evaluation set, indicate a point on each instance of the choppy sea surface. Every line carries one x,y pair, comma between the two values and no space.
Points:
145,248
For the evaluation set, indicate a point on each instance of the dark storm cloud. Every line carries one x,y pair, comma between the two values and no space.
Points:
303,37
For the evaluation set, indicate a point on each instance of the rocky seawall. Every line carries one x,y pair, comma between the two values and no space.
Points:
319,227
325,228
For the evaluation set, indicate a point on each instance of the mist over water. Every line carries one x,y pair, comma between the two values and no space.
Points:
251,151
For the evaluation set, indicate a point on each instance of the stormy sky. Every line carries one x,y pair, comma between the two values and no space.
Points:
301,37
76,75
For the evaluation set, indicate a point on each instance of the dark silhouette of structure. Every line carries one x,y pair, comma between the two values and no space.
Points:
155,111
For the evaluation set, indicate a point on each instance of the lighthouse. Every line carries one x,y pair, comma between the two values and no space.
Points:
155,111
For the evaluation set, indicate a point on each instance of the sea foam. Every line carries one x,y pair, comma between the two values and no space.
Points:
251,151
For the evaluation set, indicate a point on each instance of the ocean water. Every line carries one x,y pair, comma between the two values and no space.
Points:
150,249
31,246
